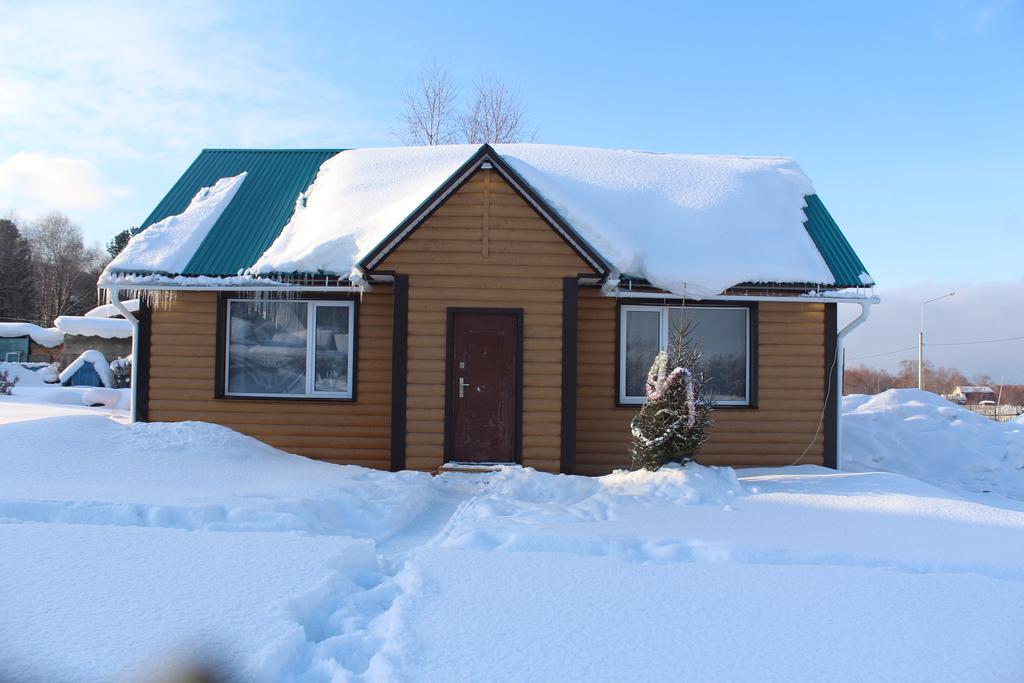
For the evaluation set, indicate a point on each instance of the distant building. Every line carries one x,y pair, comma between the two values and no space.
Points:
972,395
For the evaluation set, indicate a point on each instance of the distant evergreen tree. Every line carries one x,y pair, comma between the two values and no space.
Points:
120,241
18,293
674,421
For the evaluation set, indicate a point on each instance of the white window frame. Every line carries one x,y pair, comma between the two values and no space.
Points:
664,324
311,393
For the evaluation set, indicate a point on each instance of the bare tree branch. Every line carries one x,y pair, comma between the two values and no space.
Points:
429,116
65,268
496,115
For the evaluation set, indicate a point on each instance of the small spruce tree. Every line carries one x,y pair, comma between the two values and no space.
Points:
674,421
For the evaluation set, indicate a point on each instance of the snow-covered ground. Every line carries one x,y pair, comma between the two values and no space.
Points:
130,548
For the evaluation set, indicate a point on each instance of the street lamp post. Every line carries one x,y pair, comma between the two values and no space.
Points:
920,341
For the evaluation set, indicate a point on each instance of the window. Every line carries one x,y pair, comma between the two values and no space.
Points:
289,348
722,331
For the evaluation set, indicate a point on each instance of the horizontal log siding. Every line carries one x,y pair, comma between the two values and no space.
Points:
524,266
182,362
790,393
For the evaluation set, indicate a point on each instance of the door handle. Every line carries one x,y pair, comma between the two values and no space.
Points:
462,387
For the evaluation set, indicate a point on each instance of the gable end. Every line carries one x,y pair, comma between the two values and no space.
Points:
485,158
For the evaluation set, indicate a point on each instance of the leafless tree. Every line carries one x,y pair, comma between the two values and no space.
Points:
496,115
65,269
429,117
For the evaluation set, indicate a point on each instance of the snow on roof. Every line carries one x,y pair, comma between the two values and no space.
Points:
108,328
168,246
44,336
99,362
690,224
108,310
975,390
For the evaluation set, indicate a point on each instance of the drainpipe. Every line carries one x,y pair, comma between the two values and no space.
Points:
865,311
115,299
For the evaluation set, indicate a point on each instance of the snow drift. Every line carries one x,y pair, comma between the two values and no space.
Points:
924,436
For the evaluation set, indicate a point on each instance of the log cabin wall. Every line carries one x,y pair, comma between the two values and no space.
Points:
183,347
790,391
485,247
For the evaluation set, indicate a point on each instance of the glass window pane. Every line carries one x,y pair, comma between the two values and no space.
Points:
722,334
643,341
267,347
332,349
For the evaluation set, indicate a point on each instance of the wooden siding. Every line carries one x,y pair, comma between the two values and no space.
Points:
791,376
182,370
485,247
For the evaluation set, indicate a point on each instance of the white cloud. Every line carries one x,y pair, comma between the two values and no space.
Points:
990,11
135,80
979,311
35,183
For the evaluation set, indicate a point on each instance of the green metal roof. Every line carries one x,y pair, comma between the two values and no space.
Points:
840,257
257,213
275,177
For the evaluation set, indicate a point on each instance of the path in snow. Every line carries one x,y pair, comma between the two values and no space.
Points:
347,620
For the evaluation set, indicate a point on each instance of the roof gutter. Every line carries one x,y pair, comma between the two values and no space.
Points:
798,299
865,312
230,288
115,300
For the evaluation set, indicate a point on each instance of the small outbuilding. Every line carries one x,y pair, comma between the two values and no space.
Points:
111,336
22,342
88,370
972,395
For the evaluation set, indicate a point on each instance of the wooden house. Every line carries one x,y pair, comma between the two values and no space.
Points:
409,307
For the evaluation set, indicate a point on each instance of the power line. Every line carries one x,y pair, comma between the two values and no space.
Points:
887,353
964,343
983,341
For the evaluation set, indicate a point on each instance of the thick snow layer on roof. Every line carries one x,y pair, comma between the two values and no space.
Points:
108,310
44,336
358,197
99,363
975,390
168,246
108,328
687,223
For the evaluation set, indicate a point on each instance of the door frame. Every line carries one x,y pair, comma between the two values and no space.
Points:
449,377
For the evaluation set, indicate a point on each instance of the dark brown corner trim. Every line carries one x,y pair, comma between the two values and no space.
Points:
755,354
145,318
832,370
570,340
399,370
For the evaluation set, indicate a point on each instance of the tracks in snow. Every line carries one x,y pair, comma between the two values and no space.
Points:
346,621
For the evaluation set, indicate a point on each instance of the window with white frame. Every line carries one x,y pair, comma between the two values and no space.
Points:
289,348
723,333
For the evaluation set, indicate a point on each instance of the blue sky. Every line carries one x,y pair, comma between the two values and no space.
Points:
907,116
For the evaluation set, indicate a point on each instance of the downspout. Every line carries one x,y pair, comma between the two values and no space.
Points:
865,311
115,299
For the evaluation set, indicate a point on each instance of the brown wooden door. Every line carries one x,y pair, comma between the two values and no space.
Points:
483,392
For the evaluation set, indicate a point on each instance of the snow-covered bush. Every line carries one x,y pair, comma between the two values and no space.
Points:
6,383
674,421
121,371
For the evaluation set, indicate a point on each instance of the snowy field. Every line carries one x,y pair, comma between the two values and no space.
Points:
131,549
